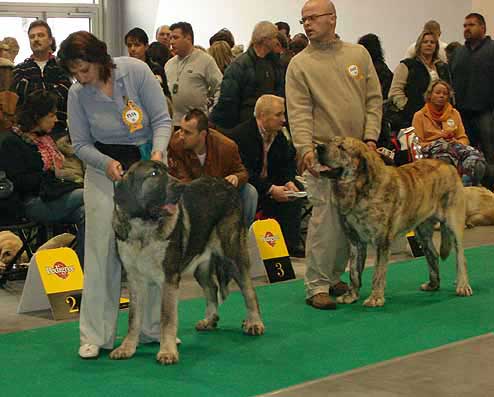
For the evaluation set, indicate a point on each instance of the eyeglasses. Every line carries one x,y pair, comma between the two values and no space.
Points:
312,18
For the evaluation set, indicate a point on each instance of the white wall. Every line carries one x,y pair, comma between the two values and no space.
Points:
398,23
486,8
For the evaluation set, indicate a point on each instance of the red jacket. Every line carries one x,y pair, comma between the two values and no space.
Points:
222,159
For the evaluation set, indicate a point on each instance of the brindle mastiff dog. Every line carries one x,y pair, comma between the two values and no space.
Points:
377,203
164,228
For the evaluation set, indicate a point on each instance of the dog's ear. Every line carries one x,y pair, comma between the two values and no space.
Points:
369,162
174,190
121,224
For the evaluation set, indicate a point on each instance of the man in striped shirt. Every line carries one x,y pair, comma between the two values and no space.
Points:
41,71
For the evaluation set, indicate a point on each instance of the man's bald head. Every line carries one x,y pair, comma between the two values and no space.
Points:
323,4
319,20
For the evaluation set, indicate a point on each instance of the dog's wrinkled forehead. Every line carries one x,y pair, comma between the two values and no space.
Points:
143,186
144,169
347,143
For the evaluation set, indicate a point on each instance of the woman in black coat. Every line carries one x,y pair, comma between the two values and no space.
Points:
373,45
32,161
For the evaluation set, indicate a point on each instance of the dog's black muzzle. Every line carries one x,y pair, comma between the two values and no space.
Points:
326,171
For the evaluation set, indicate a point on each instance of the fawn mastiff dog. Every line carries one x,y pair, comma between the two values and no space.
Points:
377,203
479,206
164,228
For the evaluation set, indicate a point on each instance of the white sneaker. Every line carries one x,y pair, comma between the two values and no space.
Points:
87,351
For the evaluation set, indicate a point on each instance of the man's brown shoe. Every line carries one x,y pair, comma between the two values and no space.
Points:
321,301
339,289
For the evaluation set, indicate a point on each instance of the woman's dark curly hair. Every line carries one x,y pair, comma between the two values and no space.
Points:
38,104
159,53
84,46
372,43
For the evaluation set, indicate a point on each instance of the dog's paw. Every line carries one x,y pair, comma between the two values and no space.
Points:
464,290
374,301
348,298
167,358
429,287
123,352
253,328
208,324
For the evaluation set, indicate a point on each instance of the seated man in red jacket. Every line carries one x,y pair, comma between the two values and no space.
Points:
270,160
196,150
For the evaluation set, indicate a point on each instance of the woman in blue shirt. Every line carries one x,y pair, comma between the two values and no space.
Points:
117,114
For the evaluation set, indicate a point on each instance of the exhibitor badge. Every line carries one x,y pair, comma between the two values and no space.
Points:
132,116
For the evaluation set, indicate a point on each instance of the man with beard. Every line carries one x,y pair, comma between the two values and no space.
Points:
473,81
41,71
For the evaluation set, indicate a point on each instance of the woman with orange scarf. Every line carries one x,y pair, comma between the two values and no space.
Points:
442,135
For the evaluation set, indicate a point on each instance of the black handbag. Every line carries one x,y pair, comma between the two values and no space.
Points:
11,209
52,188
126,155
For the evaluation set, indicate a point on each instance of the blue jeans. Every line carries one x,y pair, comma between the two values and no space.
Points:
68,208
249,197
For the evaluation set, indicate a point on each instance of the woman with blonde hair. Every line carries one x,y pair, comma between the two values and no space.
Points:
413,75
222,54
13,47
442,135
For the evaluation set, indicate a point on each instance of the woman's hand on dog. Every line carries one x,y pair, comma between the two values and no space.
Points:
114,170
157,156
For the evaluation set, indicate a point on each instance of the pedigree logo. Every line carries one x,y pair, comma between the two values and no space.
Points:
60,269
270,239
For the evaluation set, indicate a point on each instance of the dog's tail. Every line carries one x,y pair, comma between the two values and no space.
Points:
222,276
446,241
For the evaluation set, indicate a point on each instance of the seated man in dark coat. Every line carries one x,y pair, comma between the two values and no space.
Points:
270,159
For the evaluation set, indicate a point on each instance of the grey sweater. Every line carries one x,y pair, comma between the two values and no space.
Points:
194,82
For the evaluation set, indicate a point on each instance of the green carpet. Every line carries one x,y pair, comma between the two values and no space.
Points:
300,343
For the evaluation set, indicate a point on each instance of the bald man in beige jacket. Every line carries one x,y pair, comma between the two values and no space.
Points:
332,89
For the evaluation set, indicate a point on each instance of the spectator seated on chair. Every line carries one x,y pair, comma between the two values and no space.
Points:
32,161
442,136
196,150
270,159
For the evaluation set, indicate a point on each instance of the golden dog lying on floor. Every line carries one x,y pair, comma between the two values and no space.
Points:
479,206
10,244
377,203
